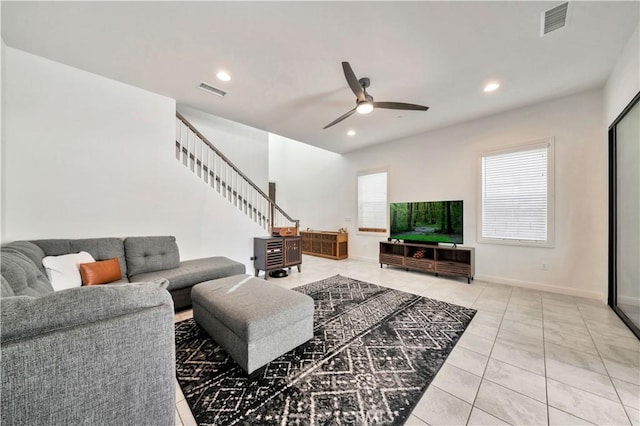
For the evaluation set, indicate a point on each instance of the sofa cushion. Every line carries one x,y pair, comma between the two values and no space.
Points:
63,271
195,271
6,290
151,254
99,248
22,275
100,272
29,249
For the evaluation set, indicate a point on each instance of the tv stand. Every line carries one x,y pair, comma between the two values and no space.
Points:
456,261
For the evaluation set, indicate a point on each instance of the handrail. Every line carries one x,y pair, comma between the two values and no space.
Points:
235,168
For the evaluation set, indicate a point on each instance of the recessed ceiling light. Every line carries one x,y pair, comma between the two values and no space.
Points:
351,132
491,86
223,75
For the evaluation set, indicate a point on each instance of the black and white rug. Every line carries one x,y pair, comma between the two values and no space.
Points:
374,352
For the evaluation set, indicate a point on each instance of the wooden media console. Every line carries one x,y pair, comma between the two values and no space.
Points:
457,261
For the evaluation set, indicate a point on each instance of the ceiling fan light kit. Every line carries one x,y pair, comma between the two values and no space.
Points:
364,101
364,107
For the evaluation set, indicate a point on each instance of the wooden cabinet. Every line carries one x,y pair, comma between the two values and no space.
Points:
459,261
332,245
272,253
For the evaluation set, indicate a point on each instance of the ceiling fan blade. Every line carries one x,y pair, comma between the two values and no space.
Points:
353,81
400,105
339,119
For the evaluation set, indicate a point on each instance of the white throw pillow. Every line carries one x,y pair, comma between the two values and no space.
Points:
63,271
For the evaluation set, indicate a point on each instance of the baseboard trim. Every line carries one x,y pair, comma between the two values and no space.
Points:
544,287
602,297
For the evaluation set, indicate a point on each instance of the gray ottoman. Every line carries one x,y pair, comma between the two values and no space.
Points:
253,320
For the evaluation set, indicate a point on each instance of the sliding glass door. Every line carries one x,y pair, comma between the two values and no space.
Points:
624,215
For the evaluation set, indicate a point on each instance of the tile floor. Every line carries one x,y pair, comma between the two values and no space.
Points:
527,358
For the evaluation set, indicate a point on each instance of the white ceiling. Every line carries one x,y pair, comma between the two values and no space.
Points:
284,57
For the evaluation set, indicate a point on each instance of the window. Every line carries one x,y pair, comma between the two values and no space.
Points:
372,201
517,195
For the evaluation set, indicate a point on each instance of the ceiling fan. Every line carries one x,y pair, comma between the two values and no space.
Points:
364,101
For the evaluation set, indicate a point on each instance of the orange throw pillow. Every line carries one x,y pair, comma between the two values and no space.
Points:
102,272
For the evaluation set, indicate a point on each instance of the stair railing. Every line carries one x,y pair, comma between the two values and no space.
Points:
199,155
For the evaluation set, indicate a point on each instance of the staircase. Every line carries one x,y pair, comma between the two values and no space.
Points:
199,155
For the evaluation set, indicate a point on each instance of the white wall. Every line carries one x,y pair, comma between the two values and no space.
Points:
3,61
624,81
246,147
444,165
85,156
310,183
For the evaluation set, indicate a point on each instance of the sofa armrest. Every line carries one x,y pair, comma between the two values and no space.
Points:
103,355
24,316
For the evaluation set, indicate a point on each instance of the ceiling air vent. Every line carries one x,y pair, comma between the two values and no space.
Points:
554,18
209,88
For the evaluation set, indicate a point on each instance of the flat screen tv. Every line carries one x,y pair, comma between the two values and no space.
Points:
427,222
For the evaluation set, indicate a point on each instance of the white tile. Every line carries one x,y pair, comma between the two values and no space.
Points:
521,341
622,371
484,304
560,418
628,392
530,361
522,317
467,360
457,382
185,414
436,292
414,421
510,406
631,343
600,313
634,415
578,358
558,300
491,319
580,330
585,405
481,418
619,354
581,378
437,407
482,330
570,319
517,379
531,329
570,340
619,330
179,394
531,306
178,420
476,343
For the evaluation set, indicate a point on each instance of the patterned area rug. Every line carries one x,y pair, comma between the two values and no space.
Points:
374,352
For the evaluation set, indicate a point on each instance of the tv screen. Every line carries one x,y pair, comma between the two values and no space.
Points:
428,222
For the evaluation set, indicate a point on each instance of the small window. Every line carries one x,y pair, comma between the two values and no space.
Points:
517,200
372,202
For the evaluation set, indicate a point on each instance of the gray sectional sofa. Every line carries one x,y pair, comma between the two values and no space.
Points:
101,354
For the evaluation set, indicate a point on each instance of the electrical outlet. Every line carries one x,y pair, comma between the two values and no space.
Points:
545,266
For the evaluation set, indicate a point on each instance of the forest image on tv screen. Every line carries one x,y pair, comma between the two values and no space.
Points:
428,221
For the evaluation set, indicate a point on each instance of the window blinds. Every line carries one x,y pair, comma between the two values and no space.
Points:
515,194
372,202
